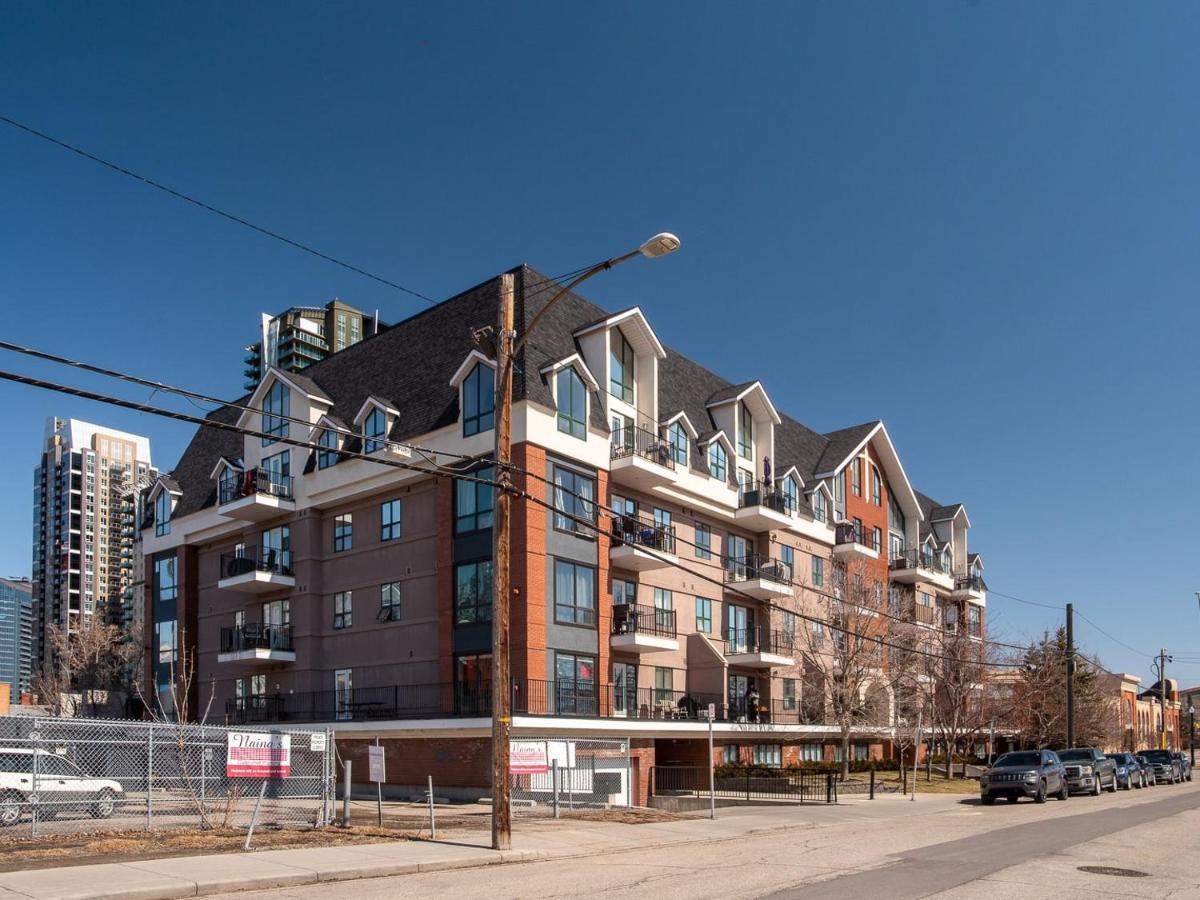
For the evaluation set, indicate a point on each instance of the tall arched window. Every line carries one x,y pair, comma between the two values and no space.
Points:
327,455
374,430
678,439
820,506
791,493
572,404
620,382
479,400
745,435
717,461
275,412
162,513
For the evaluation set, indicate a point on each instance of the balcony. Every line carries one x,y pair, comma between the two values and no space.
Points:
258,494
641,459
640,545
256,573
762,507
257,643
750,649
969,587
852,542
643,629
911,566
758,576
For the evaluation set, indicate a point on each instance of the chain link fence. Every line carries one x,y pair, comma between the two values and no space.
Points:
59,776
559,776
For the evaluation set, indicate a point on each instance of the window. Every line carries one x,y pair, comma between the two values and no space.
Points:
818,634
876,487
575,683
343,532
274,612
622,432
574,499
572,404
789,627
791,494
664,685
473,593
162,513
837,753
389,602
374,430
738,549
973,622
818,571
856,477
729,754
343,693
620,382
343,609
787,556
876,537
168,649
664,608
862,752
811,752
663,524
574,593
327,456
276,549
703,615
745,432
479,400
950,617
703,541
839,496
473,503
717,461
820,506
768,755
678,442
275,412
895,515
389,520
789,693
624,592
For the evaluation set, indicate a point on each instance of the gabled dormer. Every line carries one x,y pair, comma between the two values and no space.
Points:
282,406
160,504
717,451
374,421
820,501
853,452
790,487
623,351
746,414
681,435
230,475
475,381
330,434
570,382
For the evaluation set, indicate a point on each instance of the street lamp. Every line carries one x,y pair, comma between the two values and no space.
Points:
1192,731
507,344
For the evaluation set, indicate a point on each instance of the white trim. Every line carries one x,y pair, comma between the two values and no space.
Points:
687,424
792,470
254,404
325,423
154,491
576,361
224,461
617,319
889,459
468,365
378,402
755,385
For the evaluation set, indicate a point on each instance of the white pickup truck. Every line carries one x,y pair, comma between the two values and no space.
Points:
61,787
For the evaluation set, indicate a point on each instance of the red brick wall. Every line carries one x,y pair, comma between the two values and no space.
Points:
453,762
527,627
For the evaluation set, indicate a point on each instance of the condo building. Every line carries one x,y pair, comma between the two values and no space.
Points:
692,539
303,335
85,551
16,634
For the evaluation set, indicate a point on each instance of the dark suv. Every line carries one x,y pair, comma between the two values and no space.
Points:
1166,767
1089,771
1025,773
1185,765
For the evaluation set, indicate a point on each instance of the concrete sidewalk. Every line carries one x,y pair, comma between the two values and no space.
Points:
192,876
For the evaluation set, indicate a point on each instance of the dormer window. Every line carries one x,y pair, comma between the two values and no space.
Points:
228,483
374,430
876,487
162,513
479,400
621,364
820,506
327,456
791,494
276,405
571,401
745,432
718,463
947,560
677,438
839,495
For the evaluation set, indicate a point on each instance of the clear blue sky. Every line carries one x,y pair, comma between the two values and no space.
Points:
977,221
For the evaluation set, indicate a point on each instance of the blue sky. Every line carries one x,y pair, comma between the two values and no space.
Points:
976,221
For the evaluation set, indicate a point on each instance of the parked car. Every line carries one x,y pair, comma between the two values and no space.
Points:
1129,771
1024,773
61,786
1147,770
1166,766
1089,771
1185,765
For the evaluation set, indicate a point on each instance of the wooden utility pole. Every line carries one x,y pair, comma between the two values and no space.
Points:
502,573
1070,675
1162,699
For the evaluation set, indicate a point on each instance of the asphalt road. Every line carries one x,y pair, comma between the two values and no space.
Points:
946,847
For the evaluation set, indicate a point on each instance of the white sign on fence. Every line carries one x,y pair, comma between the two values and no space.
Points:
316,742
376,769
527,757
255,754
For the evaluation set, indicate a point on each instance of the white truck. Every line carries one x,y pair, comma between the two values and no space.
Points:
60,786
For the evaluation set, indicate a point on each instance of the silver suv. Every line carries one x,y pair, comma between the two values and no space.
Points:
1024,773
1089,771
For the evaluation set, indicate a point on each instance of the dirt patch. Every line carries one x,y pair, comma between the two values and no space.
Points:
636,816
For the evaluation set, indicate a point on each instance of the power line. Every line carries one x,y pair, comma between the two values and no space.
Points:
1026,602
1111,638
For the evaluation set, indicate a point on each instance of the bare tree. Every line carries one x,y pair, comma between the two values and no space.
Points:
93,659
844,661
1039,697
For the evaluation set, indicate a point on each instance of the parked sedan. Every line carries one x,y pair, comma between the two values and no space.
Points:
1129,771
61,786
1166,767
1185,765
1147,770
1026,773
1089,771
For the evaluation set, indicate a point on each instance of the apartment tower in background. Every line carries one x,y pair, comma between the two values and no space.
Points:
85,552
16,634
303,335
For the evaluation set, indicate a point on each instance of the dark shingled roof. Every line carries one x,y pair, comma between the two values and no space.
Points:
730,392
413,360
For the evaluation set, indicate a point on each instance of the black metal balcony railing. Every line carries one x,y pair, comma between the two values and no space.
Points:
276,562
739,641
849,533
256,481
254,636
746,568
643,442
916,559
642,532
634,618
763,493
969,583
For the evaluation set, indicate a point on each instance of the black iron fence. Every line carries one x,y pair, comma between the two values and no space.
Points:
270,560
635,618
643,442
639,531
750,640
744,783
916,559
969,583
763,493
253,636
256,481
849,533
746,568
